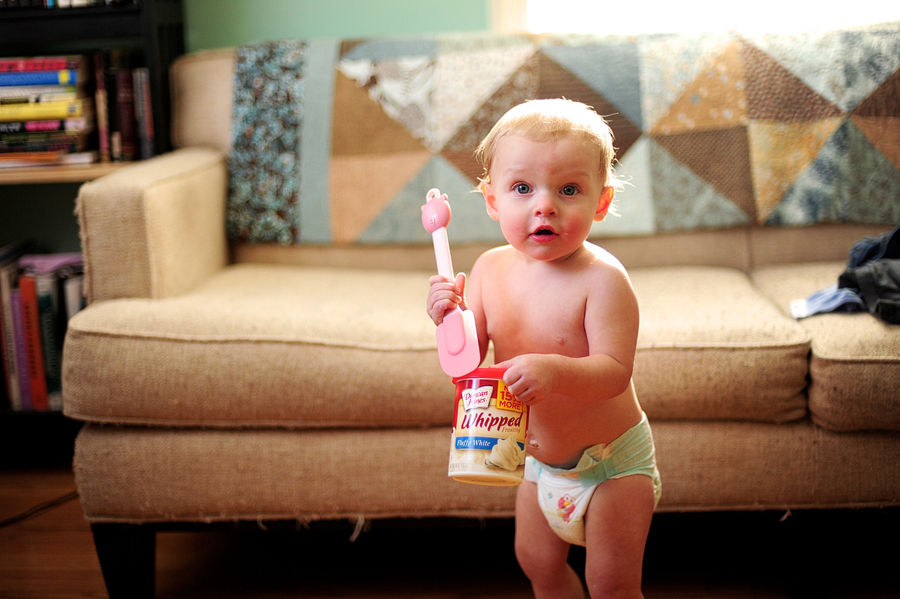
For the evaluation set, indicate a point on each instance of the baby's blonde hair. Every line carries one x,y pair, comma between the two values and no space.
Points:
550,120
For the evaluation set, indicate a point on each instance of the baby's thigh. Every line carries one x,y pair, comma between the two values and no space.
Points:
616,527
537,546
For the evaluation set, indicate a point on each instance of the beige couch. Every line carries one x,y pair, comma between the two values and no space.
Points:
252,382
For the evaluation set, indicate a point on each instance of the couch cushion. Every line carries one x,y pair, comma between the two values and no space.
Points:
286,346
141,474
855,363
711,347
262,345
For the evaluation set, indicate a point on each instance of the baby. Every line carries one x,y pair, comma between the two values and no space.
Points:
563,319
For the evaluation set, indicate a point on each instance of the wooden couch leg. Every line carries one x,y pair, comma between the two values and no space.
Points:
127,554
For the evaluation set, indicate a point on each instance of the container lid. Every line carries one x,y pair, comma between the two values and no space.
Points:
482,373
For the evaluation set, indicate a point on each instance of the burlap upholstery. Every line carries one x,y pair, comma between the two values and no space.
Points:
855,362
141,475
274,345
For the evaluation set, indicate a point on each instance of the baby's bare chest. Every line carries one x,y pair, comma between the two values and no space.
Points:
545,319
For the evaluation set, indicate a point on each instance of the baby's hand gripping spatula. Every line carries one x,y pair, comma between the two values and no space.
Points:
457,337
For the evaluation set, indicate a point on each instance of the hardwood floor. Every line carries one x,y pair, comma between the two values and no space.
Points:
843,555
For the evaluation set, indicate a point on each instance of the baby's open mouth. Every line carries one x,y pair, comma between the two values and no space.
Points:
544,232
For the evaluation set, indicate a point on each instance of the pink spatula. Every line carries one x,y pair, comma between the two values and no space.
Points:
457,338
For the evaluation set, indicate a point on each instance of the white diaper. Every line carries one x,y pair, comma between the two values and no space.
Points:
564,494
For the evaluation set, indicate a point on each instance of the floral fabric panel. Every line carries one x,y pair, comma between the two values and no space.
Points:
264,163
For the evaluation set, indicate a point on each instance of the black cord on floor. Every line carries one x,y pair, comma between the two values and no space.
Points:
40,509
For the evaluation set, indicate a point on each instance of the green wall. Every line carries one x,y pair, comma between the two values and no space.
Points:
223,23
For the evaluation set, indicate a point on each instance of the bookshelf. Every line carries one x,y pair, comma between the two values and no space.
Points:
153,28
37,201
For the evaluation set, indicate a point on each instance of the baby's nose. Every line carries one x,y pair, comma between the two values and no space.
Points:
544,205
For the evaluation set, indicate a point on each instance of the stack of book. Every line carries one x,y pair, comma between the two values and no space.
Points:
46,111
124,110
38,295
74,110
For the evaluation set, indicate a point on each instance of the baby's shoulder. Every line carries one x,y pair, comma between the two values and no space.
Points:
493,259
601,261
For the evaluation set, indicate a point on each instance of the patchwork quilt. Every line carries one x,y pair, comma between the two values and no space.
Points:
339,141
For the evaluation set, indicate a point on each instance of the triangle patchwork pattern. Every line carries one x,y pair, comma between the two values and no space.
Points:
353,209
715,99
558,82
844,67
370,131
774,93
669,64
721,158
402,87
685,201
712,130
883,101
850,180
635,213
610,68
521,86
883,132
781,150
466,80
403,217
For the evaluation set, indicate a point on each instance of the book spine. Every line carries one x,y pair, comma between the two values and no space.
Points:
60,141
7,272
125,112
73,291
39,63
42,111
33,93
144,114
4,392
64,77
76,124
23,375
101,105
52,332
34,350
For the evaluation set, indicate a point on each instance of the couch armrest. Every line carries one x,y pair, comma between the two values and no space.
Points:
156,228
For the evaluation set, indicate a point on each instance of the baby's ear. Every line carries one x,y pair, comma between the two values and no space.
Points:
603,204
490,200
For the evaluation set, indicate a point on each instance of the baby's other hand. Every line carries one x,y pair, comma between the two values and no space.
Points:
445,295
529,377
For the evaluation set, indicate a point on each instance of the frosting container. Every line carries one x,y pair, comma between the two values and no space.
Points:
487,445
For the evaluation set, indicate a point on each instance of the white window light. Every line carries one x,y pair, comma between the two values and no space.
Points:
691,16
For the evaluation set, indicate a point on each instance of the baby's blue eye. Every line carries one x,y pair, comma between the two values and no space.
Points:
569,190
523,188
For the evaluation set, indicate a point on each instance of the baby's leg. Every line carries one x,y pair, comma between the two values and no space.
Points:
541,554
616,527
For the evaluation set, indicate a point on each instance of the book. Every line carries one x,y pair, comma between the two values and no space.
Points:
16,94
18,64
52,274
39,111
21,353
76,124
63,77
23,159
43,141
9,270
33,344
143,112
101,105
125,113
